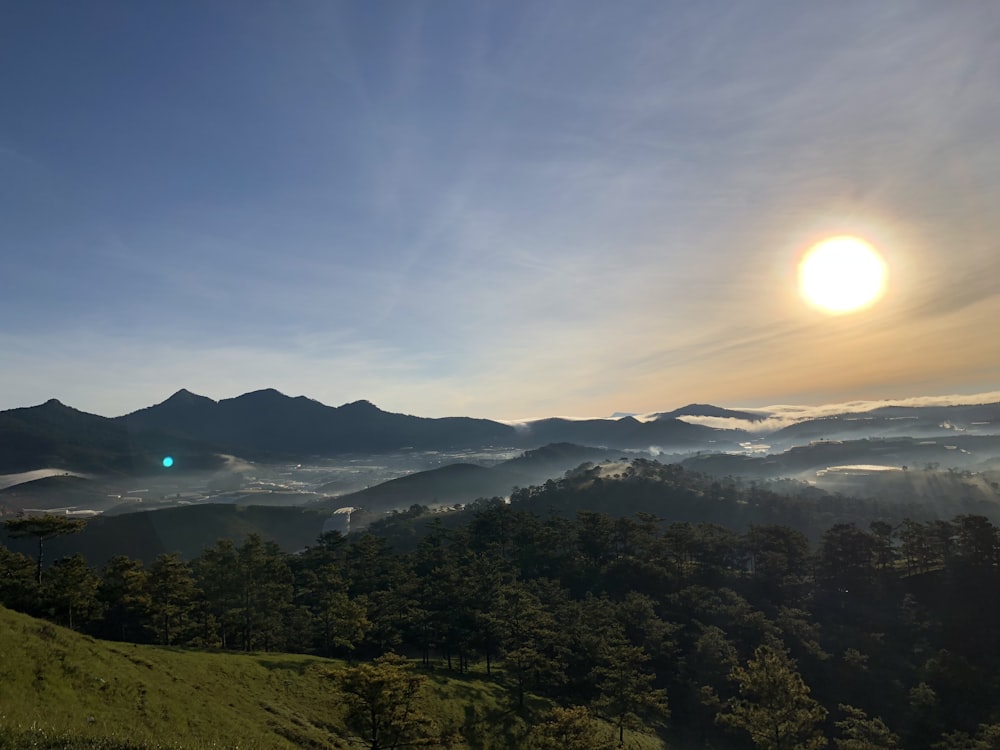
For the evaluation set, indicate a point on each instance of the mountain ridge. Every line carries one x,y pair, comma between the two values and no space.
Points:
267,424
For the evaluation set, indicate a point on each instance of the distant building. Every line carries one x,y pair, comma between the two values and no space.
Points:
339,521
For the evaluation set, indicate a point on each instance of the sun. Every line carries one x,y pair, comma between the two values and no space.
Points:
842,275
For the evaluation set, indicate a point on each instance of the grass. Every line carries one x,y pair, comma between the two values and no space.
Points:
56,682
60,689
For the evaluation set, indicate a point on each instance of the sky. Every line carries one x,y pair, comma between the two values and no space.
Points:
497,209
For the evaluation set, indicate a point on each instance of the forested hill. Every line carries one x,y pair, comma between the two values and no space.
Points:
672,493
710,635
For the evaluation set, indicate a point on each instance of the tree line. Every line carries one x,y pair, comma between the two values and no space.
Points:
879,635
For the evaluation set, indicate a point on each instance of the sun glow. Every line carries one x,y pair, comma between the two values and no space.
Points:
842,275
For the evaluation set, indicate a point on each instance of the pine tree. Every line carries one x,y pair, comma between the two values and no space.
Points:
172,593
774,706
626,689
43,528
381,700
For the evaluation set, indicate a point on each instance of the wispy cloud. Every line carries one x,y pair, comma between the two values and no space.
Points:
505,208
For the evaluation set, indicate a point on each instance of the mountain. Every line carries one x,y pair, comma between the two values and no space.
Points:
894,421
268,421
53,435
707,410
267,424
630,433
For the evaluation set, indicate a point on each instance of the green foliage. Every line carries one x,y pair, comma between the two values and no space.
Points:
124,595
42,528
570,728
608,612
626,692
774,706
858,732
986,737
63,689
382,705
70,591
60,689
18,586
172,598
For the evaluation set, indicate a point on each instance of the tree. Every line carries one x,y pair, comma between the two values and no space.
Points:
336,620
70,591
846,559
774,706
626,688
779,557
18,589
43,528
381,705
266,591
858,732
172,597
570,728
217,571
124,592
987,737
527,630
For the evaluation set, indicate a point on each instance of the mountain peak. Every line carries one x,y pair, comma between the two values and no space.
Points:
266,392
271,395
186,396
361,405
709,410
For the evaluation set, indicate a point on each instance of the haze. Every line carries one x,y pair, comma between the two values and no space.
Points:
494,209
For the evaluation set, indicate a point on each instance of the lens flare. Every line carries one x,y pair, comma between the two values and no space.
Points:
168,461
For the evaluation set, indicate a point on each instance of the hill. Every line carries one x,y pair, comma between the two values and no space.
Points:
894,422
53,435
959,451
187,530
61,689
628,433
66,684
462,483
708,410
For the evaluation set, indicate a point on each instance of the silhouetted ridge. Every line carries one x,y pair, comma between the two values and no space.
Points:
708,410
184,396
53,435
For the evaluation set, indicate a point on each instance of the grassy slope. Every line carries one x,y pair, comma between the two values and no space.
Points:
59,680
54,682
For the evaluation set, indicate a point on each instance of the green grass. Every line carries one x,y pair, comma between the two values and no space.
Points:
59,682
60,689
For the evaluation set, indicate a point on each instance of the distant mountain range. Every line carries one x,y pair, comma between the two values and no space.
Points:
268,424
55,435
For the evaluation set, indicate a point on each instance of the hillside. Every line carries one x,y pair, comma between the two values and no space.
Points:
60,689
64,682
53,435
462,483
187,530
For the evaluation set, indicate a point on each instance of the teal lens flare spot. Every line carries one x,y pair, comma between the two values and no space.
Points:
168,461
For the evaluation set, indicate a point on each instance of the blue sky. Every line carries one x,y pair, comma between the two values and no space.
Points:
500,209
